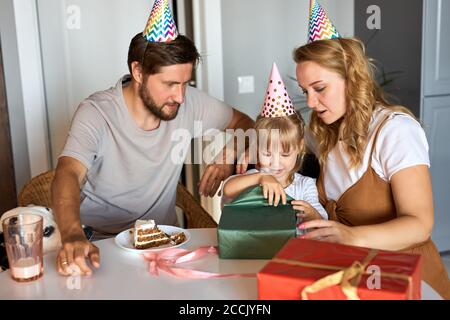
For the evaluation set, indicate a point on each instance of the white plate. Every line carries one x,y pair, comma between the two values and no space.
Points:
125,239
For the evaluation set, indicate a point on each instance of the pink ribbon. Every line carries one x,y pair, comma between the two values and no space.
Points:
167,259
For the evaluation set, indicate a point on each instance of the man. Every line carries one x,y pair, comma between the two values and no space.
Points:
118,151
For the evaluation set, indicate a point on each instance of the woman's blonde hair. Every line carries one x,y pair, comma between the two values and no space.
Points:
347,58
290,130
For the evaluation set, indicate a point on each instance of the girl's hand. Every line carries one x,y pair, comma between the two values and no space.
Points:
308,212
331,231
273,191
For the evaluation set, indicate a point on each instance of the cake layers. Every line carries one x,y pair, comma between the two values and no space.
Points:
147,235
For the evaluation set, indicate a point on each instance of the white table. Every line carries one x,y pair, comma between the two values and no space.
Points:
124,275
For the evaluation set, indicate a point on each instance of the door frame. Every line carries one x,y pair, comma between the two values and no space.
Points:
207,22
24,87
8,190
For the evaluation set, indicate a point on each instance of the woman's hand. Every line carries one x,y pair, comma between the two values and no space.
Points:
331,231
273,191
308,212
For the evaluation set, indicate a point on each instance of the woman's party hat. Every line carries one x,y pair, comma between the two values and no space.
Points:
277,102
160,26
320,27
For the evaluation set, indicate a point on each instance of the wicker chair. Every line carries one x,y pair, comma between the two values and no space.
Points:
38,192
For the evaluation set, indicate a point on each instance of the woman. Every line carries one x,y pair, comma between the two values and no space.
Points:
374,181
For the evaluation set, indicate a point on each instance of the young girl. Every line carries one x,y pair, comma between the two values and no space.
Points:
279,157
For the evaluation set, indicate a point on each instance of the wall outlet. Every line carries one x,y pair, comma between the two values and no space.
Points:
246,84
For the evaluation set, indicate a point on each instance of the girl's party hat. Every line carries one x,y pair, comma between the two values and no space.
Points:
277,102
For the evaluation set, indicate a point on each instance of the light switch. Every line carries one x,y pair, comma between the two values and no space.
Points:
246,84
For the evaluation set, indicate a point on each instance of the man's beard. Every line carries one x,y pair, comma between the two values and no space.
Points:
151,106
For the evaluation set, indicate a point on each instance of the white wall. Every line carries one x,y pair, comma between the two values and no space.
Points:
256,33
208,39
84,48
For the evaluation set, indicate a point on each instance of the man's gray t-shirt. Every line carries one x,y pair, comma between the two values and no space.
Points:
131,174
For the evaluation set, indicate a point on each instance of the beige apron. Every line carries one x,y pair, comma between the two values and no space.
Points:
370,201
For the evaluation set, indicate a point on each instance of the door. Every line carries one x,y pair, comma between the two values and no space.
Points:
436,117
8,199
436,111
398,62
437,48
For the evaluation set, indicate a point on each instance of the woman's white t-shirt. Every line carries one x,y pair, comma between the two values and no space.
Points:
401,143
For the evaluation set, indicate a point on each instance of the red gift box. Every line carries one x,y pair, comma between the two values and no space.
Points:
318,270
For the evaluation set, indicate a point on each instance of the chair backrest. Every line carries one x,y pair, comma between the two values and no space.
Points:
196,216
38,192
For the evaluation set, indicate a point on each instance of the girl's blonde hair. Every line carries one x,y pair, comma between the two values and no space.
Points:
347,58
291,130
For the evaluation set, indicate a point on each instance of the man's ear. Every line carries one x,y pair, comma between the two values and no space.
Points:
136,72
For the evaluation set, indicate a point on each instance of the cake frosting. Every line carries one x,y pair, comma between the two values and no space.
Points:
148,235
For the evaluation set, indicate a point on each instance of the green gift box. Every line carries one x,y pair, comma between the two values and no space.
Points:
250,228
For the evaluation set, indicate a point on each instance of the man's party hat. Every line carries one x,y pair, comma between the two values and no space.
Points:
160,26
277,102
320,27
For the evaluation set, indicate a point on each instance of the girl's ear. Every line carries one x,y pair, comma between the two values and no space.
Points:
300,156
302,143
302,148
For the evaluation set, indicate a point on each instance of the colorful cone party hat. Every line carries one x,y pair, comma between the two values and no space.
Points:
277,102
320,27
160,26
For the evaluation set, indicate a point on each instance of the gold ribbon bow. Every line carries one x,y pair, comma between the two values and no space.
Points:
347,278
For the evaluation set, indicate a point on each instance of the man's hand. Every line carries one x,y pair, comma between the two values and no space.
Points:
71,259
243,162
212,178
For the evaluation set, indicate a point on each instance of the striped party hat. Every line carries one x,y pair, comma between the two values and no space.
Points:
160,26
277,102
320,27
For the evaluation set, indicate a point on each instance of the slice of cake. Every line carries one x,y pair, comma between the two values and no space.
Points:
178,237
148,235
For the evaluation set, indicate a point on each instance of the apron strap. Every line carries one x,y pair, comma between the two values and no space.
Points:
374,141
